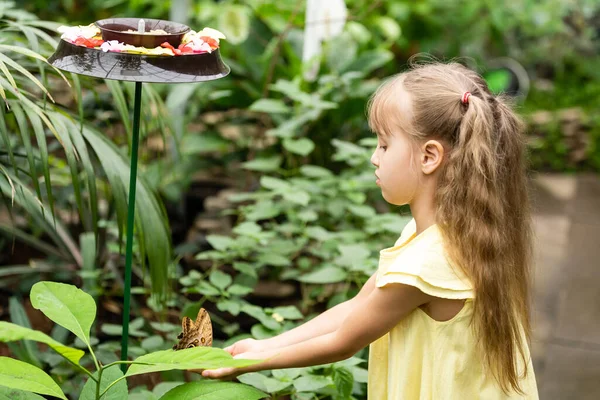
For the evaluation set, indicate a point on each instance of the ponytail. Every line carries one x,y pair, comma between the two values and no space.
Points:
489,236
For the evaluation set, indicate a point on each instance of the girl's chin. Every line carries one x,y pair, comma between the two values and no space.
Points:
393,201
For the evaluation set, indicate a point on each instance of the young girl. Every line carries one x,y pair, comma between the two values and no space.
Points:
447,312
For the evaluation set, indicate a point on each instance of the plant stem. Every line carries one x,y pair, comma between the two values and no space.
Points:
88,373
100,371
94,357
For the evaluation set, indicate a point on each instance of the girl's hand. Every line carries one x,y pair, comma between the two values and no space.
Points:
230,373
245,346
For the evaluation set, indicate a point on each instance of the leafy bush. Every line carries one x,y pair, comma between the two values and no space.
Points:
75,310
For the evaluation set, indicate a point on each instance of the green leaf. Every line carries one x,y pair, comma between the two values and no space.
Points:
308,216
258,313
24,71
20,375
153,343
88,251
247,228
263,210
239,290
273,259
220,279
297,197
66,305
276,184
213,391
314,171
194,358
11,332
232,307
318,233
207,289
245,268
344,381
269,106
328,274
288,312
220,242
288,374
16,394
303,146
352,255
292,90
310,383
117,392
263,382
265,164
389,27
234,22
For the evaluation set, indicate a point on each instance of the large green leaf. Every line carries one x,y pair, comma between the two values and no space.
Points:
109,375
194,358
16,394
20,375
66,305
213,391
10,332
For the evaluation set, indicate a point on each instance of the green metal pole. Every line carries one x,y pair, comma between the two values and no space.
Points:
130,220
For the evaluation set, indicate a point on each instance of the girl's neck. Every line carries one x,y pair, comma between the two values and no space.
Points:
422,209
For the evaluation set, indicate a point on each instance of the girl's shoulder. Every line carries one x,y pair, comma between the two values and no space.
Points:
422,261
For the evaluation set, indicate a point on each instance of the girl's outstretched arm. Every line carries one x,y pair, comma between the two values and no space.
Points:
324,323
371,318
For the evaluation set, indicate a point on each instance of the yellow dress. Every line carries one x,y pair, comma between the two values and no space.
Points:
425,359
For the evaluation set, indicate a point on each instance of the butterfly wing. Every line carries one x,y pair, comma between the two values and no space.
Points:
204,325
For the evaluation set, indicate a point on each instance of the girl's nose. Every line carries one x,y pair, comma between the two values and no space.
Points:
375,159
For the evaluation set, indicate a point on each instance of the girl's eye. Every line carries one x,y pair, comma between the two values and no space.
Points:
383,147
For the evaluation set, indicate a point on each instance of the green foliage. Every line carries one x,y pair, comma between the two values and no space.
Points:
75,310
20,375
72,165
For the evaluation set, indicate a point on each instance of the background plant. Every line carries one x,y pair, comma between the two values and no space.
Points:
75,310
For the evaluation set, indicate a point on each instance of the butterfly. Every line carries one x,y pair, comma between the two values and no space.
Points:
194,334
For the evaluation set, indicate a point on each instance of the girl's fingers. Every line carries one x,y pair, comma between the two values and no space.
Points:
217,373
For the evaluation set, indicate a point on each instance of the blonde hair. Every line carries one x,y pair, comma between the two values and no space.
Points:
482,204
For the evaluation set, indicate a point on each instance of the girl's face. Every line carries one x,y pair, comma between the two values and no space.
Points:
396,159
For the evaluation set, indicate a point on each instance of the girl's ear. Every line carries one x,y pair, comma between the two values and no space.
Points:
432,154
